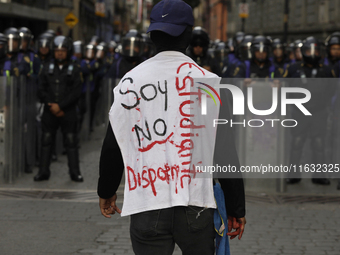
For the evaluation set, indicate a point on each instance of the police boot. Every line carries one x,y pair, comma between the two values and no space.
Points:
295,155
44,170
71,145
73,164
319,158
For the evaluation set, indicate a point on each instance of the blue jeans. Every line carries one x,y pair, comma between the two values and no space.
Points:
157,231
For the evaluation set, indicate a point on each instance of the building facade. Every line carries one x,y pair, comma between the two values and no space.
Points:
306,18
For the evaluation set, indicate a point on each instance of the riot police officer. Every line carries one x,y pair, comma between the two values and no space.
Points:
259,66
241,53
149,48
3,52
198,50
112,55
297,50
131,55
279,57
221,56
78,48
333,49
59,90
88,67
44,44
13,65
313,126
236,41
26,52
102,65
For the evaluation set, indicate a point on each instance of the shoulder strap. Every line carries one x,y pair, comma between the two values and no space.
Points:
303,75
70,69
51,68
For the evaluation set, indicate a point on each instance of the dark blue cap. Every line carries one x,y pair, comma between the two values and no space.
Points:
171,17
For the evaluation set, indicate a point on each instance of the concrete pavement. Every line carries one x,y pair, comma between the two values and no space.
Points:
62,217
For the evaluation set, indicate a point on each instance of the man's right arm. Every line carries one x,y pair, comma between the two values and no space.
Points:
111,166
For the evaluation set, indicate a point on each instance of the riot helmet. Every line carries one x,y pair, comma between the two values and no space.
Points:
297,49
62,45
231,45
101,50
199,41
90,51
119,48
333,46
78,48
238,38
221,51
26,38
149,47
94,40
13,39
3,46
51,32
216,42
260,48
112,46
311,50
132,44
44,44
289,49
278,49
243,50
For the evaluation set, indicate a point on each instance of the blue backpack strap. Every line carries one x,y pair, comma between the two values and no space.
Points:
247,63
272,71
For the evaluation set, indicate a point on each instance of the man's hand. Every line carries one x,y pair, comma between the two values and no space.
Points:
108,206
247,82
237,224
54,108
60,114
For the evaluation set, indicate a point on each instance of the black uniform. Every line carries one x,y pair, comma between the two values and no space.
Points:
268,70
61,86
314,126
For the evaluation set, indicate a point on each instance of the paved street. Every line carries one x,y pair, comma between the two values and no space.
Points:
62,217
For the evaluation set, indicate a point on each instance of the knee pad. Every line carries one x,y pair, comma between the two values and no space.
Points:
70,140
298,142
47,139
318,144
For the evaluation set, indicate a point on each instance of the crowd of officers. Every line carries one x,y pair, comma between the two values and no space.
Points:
63,69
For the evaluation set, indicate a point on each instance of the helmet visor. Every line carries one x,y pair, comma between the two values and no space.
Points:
312,51
13,44
131,47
